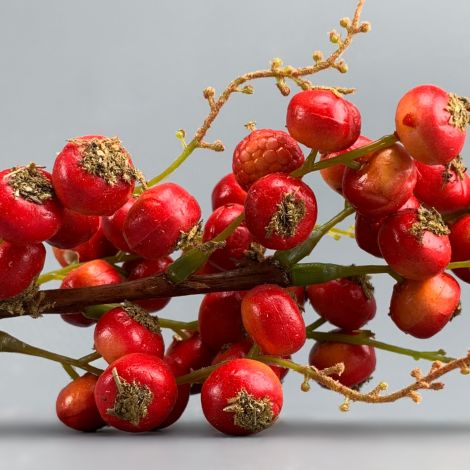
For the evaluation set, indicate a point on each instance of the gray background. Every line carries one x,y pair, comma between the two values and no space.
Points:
136,69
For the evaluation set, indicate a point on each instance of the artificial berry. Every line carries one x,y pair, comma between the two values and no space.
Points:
227,191
242,397
280,211
94,175
460,242
359,360
113,226
29,211
263,152
423,308
383,184
163,219
125,330
76,406
353,306
237,246
414,243
431,123
136,393
323,121
273,319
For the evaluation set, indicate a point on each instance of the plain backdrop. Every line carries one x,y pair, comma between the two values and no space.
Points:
137,69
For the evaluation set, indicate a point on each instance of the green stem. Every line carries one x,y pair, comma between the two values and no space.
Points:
94,356
364,338
459,264
177,326
288,258
187,151
315,325
197,376
307,166
70,371
194,258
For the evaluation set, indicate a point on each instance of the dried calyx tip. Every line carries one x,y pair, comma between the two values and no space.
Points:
142,317
30,184
284,222
191,238
457,108
428,220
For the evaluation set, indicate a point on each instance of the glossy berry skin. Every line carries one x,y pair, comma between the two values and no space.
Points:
113,226
227,191
118,333
423,308
23,221
253,378
154,223
93,273
85,192
298,294
74,229
353,306
220,320
234,252
442,188
413,256
19,265
427,127
366,229
333,175
233,351
383,184
273,319
263,152
76,407
149,373
142,268
359,360
323,121
268,205
96,247
460,241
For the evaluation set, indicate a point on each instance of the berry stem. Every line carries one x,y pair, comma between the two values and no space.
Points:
459,264
315,325
366,338
307,166
288,258
11,344
72,373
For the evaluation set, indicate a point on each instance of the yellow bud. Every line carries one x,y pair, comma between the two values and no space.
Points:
345,22
334,36
317,56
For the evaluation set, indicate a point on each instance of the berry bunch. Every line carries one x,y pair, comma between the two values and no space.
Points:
411,195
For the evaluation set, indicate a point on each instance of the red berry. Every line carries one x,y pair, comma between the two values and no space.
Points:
353,306
359,360
93,273
298,294
141,268
113,226
29,210
233,351
414,243
220,320
383,184
227,191
273,319
242,397
237,245
160,220
460,241
126,330
431,124
446,188
19,265
76,407
96,247
136,393
74,229
423,308
94,175
323,121
263,152
280,211
333,175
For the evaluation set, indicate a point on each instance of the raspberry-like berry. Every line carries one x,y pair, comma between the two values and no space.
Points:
262,152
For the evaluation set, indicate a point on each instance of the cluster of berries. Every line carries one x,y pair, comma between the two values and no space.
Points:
87,211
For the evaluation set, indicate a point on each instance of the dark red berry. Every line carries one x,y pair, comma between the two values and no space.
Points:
227,191
323,121
161,220
242,397
113,226
415,244
280,211
431,123
423,308
233,351
263,152
136,393
460,242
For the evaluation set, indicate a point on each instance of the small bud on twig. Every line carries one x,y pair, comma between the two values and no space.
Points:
334,36
345,22
365,27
